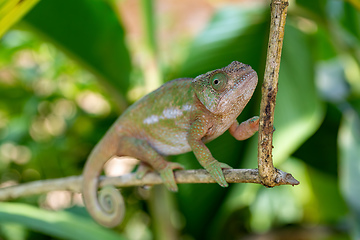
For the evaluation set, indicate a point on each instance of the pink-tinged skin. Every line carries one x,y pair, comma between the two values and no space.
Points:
180,116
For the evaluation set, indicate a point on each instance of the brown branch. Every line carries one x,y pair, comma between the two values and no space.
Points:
269,174
74,183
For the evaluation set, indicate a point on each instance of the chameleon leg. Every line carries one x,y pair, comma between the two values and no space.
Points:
141,150
203,154
245,129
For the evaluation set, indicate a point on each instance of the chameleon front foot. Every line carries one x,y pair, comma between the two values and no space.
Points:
215,170
167,175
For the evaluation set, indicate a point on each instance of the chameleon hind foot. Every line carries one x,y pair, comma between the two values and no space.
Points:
142,170
167,175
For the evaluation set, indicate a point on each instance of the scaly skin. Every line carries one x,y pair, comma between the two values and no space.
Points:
180,116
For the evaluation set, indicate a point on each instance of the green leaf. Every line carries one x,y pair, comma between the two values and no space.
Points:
350,20
317,7
299,111
320,150
323,48
232,34
90,32
12,11
13,231
59,224
327,196
349,169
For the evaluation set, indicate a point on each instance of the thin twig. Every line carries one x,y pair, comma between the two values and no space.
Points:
74,183
267,172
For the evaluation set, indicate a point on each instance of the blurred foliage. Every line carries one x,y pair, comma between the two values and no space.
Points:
67,72
12,11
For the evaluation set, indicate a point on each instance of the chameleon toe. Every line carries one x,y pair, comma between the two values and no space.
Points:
168,178
215,170
225,166
142,170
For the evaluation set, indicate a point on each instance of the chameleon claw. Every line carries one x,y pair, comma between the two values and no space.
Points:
225,166
215,170
167,175
142,170
178,166
253,119
254,122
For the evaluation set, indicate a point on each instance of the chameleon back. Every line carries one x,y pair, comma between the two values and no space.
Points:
162,117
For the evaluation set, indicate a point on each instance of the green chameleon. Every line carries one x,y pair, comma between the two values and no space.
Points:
180,116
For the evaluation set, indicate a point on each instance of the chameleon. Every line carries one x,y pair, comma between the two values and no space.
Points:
180,116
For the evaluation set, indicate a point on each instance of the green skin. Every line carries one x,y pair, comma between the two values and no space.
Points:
180,116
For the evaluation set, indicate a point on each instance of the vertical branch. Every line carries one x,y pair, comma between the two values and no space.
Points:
267,172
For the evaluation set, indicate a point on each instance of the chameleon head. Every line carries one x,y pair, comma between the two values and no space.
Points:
226,89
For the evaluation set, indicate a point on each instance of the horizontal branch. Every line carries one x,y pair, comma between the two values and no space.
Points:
74,183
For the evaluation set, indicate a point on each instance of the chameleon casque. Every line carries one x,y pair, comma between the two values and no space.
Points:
180,116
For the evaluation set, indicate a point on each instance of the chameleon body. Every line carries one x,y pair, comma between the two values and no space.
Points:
180,116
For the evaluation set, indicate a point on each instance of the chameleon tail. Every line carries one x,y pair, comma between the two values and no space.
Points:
107,207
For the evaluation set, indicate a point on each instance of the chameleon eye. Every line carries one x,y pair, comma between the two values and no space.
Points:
219,81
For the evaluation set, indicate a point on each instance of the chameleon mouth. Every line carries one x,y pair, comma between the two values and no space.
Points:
252,76
247,87
249,77
248,81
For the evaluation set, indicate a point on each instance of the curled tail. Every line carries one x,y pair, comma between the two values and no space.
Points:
107,207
